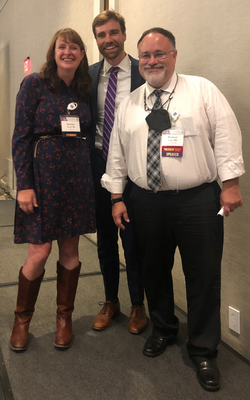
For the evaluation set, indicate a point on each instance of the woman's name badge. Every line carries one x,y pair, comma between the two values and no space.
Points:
70,125
172,143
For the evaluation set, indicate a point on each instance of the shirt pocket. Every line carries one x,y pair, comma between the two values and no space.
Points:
192,122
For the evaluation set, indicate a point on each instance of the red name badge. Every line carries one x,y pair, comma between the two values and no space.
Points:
168,151
172,143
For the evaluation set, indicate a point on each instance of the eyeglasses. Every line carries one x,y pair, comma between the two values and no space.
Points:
158,55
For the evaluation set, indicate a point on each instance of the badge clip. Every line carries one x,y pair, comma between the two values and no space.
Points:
72,106
175,115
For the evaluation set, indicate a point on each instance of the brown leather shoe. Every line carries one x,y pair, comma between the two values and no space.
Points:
138,319
104,318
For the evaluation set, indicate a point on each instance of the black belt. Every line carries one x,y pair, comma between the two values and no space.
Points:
178,191
50,136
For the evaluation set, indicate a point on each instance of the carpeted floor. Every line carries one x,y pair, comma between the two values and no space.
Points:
106,365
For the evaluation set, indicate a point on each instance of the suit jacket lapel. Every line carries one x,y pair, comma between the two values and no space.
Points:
95,73
136,78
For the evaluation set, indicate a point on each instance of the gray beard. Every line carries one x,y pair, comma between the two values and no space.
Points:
152,79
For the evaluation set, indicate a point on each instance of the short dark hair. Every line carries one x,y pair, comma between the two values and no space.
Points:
106,16
162,31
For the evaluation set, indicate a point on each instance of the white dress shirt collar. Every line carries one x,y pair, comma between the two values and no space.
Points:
168,87
124,65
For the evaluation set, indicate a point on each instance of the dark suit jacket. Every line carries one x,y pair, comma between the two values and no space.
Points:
94,71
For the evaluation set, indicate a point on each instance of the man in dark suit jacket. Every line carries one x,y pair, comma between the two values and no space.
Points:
110,33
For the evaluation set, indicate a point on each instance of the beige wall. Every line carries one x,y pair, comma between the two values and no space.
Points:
213,41
26,28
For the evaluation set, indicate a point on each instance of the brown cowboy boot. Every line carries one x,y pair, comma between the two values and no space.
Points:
26,300
67,281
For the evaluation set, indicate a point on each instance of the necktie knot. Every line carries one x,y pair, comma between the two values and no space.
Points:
158,93
157,104
114,70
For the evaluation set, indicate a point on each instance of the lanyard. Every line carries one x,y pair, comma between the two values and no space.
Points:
167,101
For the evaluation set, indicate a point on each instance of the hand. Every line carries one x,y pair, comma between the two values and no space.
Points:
119,211
230,197
27,200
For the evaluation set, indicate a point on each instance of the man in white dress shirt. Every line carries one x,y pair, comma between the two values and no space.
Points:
200,141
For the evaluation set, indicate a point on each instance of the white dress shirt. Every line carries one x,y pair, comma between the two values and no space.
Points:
212,138
122,90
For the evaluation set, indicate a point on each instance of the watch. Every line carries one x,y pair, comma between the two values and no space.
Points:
113,201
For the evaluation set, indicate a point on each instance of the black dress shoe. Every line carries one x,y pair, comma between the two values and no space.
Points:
208,374
155,345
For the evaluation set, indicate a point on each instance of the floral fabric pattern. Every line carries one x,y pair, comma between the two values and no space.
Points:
57,168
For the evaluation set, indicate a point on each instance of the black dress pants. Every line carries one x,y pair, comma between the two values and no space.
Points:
188,220
107,237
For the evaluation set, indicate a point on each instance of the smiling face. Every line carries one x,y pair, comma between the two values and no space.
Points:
110,41
157,72
68,56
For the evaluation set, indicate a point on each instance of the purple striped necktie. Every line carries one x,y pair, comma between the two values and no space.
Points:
109,110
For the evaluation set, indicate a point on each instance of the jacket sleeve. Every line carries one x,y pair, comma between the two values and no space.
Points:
22,141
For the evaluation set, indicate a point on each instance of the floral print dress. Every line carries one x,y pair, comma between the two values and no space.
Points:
57,168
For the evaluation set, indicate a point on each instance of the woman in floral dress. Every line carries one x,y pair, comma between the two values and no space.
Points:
55,197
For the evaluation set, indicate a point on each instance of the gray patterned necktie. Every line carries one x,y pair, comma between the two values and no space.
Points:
153,151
